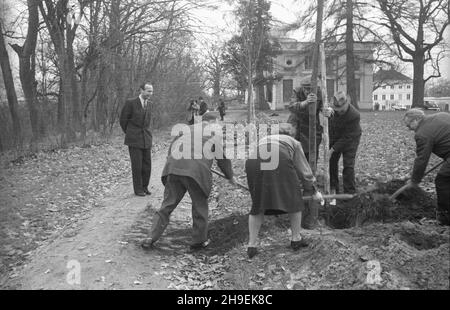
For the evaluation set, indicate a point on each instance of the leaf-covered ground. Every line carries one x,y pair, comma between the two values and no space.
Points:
411,252
46,194
52,195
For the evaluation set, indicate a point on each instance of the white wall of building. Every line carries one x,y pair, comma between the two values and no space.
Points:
393,93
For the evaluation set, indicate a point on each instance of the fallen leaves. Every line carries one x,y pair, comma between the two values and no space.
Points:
51,191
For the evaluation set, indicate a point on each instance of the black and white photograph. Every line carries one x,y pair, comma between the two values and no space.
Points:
225,151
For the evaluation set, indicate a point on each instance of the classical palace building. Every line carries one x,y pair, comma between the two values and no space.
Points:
294,63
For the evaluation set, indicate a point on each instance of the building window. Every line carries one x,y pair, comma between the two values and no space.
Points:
400,86
408,96
400,97
384,87
392,97
392,86
408,86
375,97
383,97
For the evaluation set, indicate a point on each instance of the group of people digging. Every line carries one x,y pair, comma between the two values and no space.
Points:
277,190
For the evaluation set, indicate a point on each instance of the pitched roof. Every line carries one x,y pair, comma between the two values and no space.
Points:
389,75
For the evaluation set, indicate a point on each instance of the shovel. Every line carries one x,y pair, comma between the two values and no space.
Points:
334,196
402,189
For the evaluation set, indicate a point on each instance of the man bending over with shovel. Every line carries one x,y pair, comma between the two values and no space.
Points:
432,135
192,174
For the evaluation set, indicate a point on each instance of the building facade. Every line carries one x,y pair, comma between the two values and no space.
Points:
294,63
391,90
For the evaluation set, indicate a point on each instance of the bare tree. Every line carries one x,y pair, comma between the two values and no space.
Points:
214,68
62,34
9,86
27,62
349,55
417,27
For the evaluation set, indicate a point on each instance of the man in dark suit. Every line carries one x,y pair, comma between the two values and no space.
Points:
345,133
135,122
190,172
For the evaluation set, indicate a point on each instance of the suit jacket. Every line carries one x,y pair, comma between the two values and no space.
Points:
345,130
432,136
197,166
135,123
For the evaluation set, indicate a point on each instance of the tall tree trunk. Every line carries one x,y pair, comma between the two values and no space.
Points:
311,218
418,67
75,93
314,85
27,79
251,104
60,108
418,81
260,94
350,58
27,70
99,121
216,86
118,65
66,97
10,88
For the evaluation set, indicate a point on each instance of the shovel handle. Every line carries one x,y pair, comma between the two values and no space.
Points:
223,176
334,196
398,192
402,189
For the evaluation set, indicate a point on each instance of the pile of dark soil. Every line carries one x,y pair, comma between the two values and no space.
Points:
374,206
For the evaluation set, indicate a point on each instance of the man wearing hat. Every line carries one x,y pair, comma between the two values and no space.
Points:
299,117
192,174
344,131
432,135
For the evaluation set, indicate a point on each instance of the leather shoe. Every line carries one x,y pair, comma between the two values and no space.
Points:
199,246
147,244
142,194
251,251
147,192
297,245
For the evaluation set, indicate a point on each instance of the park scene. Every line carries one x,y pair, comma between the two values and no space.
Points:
225,145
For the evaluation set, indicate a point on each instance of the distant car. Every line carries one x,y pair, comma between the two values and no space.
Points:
430,105
399,108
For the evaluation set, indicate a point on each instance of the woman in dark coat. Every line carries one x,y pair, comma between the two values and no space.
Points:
278,191
221,109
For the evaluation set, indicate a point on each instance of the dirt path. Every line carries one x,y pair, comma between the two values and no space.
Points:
105,261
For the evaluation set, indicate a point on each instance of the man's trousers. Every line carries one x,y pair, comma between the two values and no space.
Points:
141,168
442,183
348,173
175,189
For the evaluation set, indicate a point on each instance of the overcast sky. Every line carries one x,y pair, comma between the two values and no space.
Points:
221,22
